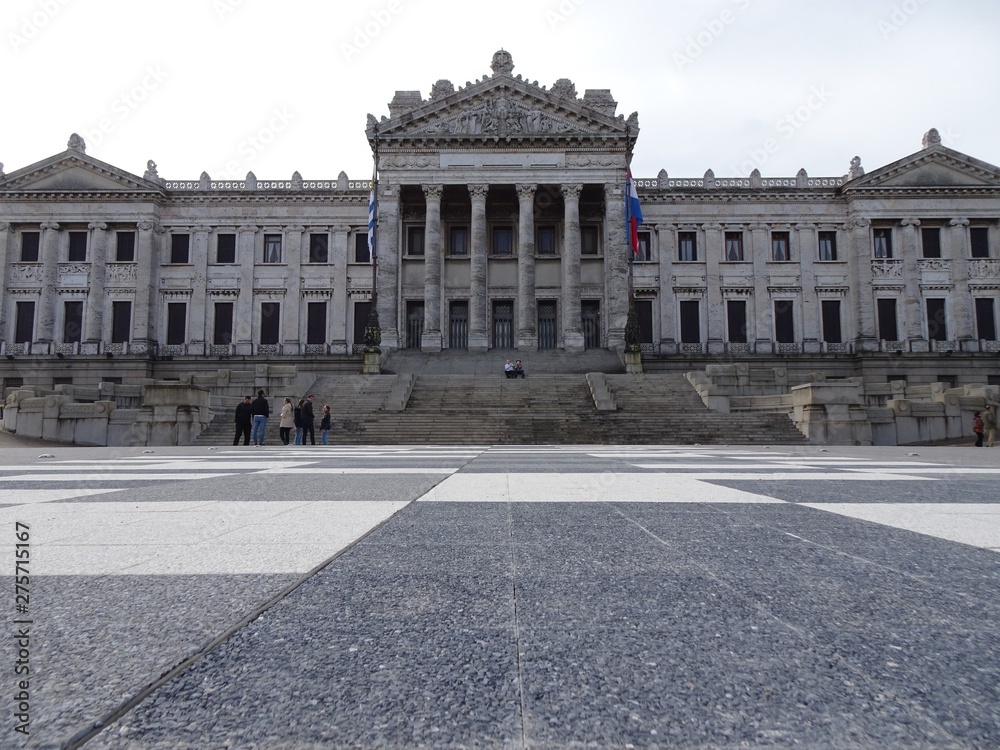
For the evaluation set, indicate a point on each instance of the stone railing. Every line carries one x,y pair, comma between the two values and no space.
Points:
216,185
737,183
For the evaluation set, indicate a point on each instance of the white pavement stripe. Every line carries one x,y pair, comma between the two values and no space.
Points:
942,470
975,524
221,538
585,488
777,466
356,470
106,477
737,475
174,466
28,497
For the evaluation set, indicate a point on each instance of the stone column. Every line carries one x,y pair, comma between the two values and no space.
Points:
6,251
804,243
912,308
433,262
147,266
244,310
293,320
759,252
387,265
572,318
94,322
45,329
618,255
859,256
479,338
197,336
961,306
712,248
527,315
337,313
666,248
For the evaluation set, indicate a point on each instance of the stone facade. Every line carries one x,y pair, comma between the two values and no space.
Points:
500,225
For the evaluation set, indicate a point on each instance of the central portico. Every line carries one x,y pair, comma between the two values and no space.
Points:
501,216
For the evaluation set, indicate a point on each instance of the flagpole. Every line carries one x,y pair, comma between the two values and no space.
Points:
373,329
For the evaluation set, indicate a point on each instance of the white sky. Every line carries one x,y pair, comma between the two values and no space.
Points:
229,86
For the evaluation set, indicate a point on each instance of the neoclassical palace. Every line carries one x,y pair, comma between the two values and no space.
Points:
501,224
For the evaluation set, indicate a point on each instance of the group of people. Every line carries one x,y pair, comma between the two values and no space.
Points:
513,369
252,415
984,424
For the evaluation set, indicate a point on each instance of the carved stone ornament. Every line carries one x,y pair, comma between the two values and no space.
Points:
442,88
499,115
76,143
151,173
503,63
931,138
564,88
856,169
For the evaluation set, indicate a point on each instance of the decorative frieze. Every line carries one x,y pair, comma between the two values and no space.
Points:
120,273
886,268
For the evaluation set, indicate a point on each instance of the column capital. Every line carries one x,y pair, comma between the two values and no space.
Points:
97,225
250,228
145,225
201,229
6,227
859,222
432,192
340,228
571,192
295,229
526,191
478,191
910,222
962,222
49,225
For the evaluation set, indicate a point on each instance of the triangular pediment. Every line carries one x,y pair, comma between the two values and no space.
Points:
72,171
934,167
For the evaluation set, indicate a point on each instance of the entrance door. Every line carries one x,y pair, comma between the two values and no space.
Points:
414,324
591,313
547,336
503,324
644,319
362,311
458,325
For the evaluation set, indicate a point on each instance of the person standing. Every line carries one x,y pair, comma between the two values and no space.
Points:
244,418
261,411
977,428
287,421
990,424
308,421
298,422
325,423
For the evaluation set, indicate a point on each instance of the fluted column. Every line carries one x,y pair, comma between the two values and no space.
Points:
912,307
572,322
245,313
479,338
962,306
293,319
618,254
757,251
147,264
431,339
859,255
94,322
337,314
527,317
45,329
6,251
197,335
387,265
711,247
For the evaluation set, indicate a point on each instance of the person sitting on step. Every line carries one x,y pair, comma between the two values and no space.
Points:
508,369
518,369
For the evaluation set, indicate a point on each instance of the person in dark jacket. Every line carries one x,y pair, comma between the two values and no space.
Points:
261,411
308,420
298,422
244,418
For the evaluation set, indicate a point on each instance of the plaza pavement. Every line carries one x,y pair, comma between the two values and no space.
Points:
504,597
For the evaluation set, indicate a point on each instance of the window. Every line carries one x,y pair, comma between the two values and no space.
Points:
225,248
121,322
125,246
882,243
734,246
362,253
270,322
645,246
316,323
930,242
736,318
180,248
690,322
458,241
61,381
415,240
886,313
780,247
73,322
362,311
272,248
503,241
589,242
77,247
784,322
937,329
319,248
545,240
644,319
831,321
223,332
687,247
176,322
979,239
828,246
24,323
986,324
30,242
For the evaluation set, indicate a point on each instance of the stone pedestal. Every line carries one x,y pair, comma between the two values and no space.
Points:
372,364
633,363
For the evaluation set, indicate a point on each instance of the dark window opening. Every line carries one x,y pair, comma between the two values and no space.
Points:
503,241
415,240
458,241
687,247
225,248
831,321
986,324
176,323
125,246
319,248
316,323
272,248
887,327
545,241
24,323
73,322
930,242
645,246
180,248
362,252
784,322
780,244
121,322
690,321
270,322
30,242
222,334
734,246
979,240
828,246
736,318
77,247
937,329
882,243
589,241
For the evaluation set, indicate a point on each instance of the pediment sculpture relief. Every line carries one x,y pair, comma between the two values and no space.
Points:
501,116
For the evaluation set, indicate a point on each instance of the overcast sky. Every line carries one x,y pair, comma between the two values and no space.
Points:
229,86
